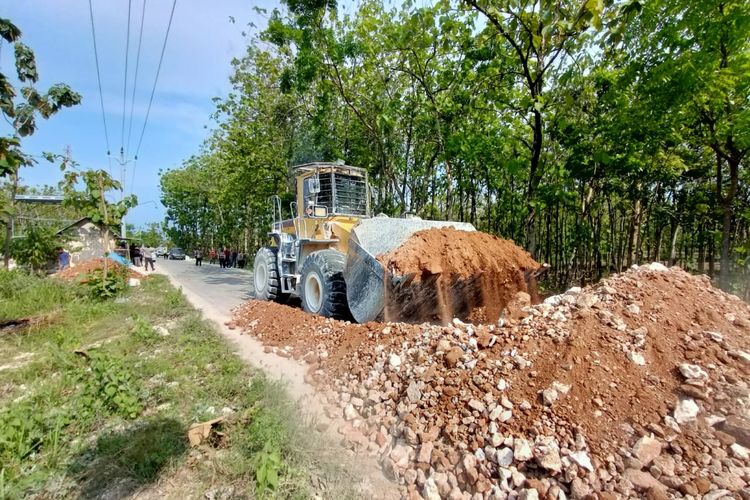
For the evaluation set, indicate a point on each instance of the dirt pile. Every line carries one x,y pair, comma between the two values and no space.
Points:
636,386
446,273
88,266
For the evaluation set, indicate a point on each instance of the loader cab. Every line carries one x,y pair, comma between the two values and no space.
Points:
330,200
329,190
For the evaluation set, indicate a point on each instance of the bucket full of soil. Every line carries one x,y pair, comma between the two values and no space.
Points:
434,274
445,273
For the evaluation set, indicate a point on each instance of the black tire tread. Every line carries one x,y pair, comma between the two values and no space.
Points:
330,263
274,292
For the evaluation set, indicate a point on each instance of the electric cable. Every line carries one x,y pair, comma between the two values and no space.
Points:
99,81
156,79
125,84
135,78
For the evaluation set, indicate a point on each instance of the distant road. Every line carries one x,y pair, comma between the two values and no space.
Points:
222,289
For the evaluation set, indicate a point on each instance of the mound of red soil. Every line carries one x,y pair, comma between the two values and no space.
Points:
445,273
86,267
631,386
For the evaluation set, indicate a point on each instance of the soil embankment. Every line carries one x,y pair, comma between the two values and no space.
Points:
630,387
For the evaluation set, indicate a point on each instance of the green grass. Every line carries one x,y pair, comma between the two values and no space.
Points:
95,400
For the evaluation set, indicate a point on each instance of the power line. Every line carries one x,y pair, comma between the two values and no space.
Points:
125,84
99,81
132,179
158,69
135,79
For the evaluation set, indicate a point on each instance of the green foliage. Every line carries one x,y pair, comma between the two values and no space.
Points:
144,332
92,200
63,433
22,432
37,248
109,387
106,284
24,294
268,469
22,110
147,450
150,235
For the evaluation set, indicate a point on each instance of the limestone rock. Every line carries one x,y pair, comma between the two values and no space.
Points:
686,411
647,449
583,460
549,396
425,453
739,428
695,372
350,413
504,457
548,457
394,361
636,358
642,481
522,450
430,490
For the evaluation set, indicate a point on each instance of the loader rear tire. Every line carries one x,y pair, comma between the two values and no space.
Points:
266,278
323,289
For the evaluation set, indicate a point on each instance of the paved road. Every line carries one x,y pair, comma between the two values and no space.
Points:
223,289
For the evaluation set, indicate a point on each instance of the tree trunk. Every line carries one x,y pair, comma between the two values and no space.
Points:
726,229
536,153
673,245
9,220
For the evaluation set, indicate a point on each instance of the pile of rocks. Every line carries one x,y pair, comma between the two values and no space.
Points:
634,386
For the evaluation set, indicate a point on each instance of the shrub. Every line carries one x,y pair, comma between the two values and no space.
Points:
37,247
106,286
109,386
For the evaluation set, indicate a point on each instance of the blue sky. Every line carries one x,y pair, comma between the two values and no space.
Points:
196,68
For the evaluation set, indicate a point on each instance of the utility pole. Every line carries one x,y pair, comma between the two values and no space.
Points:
123,169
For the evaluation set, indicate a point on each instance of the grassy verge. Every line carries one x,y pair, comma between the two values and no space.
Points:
96,398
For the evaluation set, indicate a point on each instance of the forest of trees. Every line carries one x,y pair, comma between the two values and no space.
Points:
595,134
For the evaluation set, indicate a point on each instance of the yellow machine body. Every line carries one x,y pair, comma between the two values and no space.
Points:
326,252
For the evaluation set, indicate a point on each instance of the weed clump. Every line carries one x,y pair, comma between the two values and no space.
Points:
109,387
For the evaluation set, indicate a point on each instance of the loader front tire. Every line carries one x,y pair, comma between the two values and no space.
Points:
266,278
323,290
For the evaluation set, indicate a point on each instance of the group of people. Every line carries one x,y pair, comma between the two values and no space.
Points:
142,256
226,257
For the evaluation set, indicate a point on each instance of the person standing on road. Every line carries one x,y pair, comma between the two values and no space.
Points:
199,258
212,256
227,258
138,256
234,258
148,257
241,260
222,259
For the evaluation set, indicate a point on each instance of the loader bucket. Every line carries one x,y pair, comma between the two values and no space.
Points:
364,275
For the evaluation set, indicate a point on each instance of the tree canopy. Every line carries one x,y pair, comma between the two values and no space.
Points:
596,134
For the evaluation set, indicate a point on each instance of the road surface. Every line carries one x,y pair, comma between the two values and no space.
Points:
223,289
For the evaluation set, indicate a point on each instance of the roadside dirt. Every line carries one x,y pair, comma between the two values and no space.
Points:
81,269
445,273
360,467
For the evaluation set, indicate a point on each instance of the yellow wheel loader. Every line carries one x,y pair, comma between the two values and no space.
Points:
325,254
